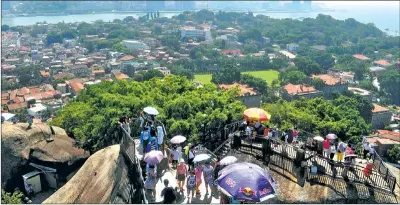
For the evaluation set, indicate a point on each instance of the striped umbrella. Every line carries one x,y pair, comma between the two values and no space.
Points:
256,114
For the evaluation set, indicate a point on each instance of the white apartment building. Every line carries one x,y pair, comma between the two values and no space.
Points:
192,32
135,45
37,111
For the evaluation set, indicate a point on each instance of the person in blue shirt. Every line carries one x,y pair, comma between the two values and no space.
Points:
144,138
153,145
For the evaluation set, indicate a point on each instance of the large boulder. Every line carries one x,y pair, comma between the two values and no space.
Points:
101,180
20,145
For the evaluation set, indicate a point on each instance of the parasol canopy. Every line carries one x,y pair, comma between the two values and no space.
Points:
153,157
151,111
201,157
319,138
178,139
256,114
228,160
246,181
331,136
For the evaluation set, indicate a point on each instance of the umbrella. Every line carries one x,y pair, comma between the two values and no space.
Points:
228,160
178,139
246,181
201,157
331,136
256,114
153,157
151,111
319,138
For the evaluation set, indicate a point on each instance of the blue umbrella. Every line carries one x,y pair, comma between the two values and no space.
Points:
246,181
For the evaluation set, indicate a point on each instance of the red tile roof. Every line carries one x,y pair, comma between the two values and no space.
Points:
244,89
63,75
378,108
328,79
382,62
44,73
389,135
231,52
126,58
77,87
97,71
7,67
121,76
16,106
360,57
298,89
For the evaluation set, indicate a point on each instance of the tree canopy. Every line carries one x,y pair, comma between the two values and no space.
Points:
92,117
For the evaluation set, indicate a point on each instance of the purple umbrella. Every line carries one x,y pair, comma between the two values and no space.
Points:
246,181
153,157
331,136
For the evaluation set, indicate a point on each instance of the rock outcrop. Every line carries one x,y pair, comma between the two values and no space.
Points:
20,145
101,180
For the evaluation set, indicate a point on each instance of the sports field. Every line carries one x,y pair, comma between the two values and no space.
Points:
267,75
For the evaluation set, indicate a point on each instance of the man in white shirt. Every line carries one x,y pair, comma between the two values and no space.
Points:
366,149
371,153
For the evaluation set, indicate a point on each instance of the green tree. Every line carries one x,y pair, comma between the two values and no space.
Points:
307,65
390,84
147,75
292,75
11,198
5,27
29,75
54,37
394,153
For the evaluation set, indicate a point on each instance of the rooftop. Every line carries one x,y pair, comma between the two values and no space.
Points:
359,91
77,87
382,63
376,69
328,79
360,57
244,89
298,89
395,136
127,58
288,54
121,76
378,108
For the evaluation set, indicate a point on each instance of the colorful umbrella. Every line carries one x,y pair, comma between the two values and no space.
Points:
178,139
331,136
256,114
153,157
228,160
201,157
151,111
246,181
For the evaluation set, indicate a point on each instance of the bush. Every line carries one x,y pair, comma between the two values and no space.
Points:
394,153
14,198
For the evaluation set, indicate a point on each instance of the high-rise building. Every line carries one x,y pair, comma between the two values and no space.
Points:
185,5
155,5
296,4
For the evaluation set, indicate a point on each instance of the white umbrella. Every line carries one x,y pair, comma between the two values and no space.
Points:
201,157
178,139
331,136
319,138
228,160
151,111
350,155
7,116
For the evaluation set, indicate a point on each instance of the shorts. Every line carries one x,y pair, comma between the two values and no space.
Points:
191,187
340,156
181,177
209,182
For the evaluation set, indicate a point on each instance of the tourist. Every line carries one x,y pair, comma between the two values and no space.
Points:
371,152
198,171
340,151
349,150
152,146
191,183
181,172
217,167
366,149
168,193
144,138
266,131
295,132
208,172
326,148
368,169
176,156
151,180
30,122
160,138
289,137
142,119
332,152
191,155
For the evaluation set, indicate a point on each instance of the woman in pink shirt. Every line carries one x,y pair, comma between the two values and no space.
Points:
199,172
326,148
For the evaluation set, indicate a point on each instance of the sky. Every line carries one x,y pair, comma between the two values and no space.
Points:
377,4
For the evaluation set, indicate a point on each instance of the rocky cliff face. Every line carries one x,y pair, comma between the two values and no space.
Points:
20,145
102,179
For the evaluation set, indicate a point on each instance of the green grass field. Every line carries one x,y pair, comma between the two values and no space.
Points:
267,75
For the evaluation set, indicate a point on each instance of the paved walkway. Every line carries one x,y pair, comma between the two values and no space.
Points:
182,199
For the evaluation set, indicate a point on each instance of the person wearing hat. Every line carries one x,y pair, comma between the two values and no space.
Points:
368,169
181,172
